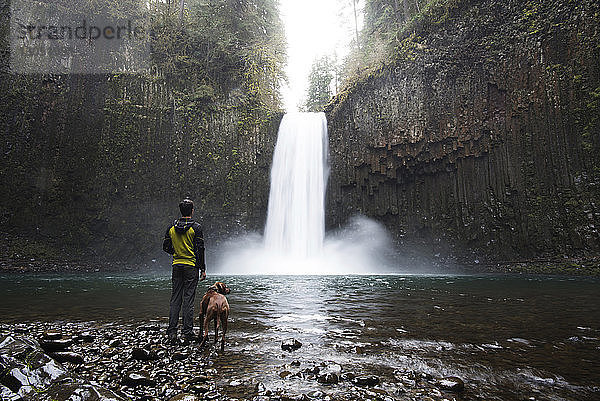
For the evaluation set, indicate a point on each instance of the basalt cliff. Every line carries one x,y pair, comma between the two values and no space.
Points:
479,142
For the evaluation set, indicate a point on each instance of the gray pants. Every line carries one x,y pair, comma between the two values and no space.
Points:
185,280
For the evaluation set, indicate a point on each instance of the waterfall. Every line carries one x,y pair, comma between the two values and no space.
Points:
294,240
296,213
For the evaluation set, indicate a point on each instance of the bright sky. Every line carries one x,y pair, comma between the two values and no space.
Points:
313,28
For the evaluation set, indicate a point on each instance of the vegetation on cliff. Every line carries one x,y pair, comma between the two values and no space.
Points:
93,165
471,129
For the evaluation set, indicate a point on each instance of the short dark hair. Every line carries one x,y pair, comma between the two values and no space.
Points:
186,206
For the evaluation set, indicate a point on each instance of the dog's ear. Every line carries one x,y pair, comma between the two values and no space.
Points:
220,287
227,290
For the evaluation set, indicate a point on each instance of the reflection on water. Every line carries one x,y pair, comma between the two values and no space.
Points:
507,337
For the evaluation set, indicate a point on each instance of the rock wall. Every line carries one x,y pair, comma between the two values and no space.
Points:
480,141
95,166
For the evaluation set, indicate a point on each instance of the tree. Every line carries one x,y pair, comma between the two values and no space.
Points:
319,84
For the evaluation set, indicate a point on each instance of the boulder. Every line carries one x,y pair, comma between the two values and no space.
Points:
51,335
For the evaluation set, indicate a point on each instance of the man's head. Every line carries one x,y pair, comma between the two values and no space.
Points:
186,207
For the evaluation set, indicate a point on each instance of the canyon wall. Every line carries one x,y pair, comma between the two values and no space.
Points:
479,143
94,166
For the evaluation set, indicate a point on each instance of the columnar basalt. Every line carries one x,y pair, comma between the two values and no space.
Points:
481,140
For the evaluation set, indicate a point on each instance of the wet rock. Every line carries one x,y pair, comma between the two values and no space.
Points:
51,335
27,369
142,354
212,395
200,389
316,394
312,371
179,356
295,363
261,388
86,337
451,383
291,344
366,380
328,378
117,342
347,376
284,374
109,352
67,356
293,397
60,344
199,379
185,397
141,378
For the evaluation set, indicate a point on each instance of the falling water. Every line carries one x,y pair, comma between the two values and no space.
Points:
296,214
294,240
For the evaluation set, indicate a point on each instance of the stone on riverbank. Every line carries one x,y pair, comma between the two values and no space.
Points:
366,380
328,378
67,356
291,344
60,344
28,372
451,383
142,354
141,378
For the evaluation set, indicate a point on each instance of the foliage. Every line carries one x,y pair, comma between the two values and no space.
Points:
390,30
319,90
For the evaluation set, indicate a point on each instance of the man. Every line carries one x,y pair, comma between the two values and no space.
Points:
185,242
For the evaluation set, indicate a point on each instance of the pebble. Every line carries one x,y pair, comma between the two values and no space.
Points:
141,378
366,380
142,354
451,383
183,373
328,378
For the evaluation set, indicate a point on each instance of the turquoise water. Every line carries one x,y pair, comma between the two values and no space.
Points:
508,337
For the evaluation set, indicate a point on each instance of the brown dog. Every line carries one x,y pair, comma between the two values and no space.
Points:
214,306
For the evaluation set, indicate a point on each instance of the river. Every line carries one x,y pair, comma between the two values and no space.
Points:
507,337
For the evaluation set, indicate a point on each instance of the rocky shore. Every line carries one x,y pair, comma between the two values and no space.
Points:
109,361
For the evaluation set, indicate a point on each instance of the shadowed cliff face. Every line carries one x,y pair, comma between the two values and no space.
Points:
481,140
102,179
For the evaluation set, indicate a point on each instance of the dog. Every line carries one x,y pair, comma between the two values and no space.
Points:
214,306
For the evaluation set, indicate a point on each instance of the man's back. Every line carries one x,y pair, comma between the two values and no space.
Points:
184,240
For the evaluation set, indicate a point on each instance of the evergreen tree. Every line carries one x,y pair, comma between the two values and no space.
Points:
319,84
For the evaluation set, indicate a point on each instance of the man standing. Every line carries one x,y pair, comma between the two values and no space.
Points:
185,242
